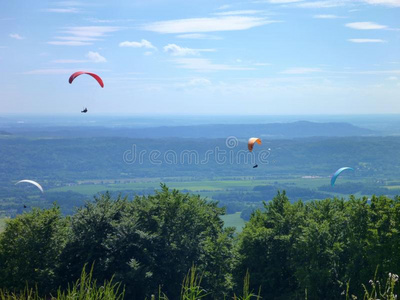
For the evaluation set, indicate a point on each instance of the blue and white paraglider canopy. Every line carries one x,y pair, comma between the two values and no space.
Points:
337,173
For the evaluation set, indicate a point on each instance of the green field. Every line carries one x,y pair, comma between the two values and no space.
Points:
193,186
234,220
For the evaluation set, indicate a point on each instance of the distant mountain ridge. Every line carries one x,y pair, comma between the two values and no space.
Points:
299,129
274,130
4,133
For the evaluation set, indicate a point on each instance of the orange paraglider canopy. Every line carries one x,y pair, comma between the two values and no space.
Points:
95,76
251,143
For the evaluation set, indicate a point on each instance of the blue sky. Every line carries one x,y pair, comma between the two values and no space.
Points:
201,57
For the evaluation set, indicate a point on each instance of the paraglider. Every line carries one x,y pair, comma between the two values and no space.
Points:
32,182
95,76
250,146
337,173
251,143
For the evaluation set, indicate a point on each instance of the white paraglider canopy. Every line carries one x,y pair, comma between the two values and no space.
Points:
32,182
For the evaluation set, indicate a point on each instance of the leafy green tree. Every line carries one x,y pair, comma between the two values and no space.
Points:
30,249
318,250
264,248
355,268
320,247
151,241
91,228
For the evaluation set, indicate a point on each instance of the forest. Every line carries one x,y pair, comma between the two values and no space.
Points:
323,249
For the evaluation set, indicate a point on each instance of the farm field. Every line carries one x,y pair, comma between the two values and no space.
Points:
195,186
234,220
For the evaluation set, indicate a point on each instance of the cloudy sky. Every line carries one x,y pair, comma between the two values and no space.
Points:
201,56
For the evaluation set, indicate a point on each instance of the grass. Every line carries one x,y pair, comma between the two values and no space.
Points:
194,186
234,220
85,288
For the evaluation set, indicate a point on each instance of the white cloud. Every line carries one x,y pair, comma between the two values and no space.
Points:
384,2
70,10
49,71
277,1
376,72
90,31
176,50
16,36
95,20
76,38
322,4
198,36
326,17
366,40
69,61
142,44
194,83
82,35
392,78
294,71
365,25
206,24
199,82
179,51
238,12
95,57
68,43
205,65
225,6
69,3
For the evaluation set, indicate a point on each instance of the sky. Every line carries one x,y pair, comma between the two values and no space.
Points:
201,57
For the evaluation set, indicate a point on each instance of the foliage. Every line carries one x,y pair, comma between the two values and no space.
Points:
191,286
318,249
387,291
264,247
150,241
85,288
30,247
319,246
192,289
247,294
